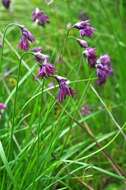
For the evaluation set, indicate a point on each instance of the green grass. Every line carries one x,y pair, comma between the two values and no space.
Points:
45,145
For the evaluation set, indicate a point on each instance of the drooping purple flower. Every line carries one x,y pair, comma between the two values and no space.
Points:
24,43
2,106
37,49
64,89
103,69
85,110
88,31
6,3
82,43
39,17
104,60
40,57
82,24
90,54
26,38
46,70
27,34
85,28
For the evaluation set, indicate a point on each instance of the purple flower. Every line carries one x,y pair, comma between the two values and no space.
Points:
6,3
39,17
37,49
38,55
46,70
103,69
88,31
2,106
26,33
104,59
90,54
24,43
85,110
85,28
82,24
26,38
40,58
64,89
82,43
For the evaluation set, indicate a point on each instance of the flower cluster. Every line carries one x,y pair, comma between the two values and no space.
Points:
103,64
6,3
48,70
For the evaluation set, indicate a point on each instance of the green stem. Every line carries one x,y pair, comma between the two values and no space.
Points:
39,128
4,35
109,112
15,99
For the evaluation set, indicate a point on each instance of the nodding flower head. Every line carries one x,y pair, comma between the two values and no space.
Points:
24,44
104,60
46,69
6,3
26,38
26,33
82,24
85,28
90,54
88,31
39,17
64,89
37,49
2,106
40,58
103,69
82,43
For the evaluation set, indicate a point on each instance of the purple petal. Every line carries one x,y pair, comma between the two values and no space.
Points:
2,106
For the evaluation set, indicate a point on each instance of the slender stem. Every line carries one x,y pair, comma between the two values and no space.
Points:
110,114
3,39
85,127
39,127
15,99
90,133
61,51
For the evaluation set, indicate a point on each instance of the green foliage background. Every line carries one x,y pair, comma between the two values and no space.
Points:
51,148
